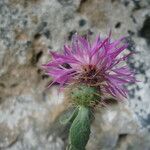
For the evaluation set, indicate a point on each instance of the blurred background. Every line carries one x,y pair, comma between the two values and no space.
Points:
29,114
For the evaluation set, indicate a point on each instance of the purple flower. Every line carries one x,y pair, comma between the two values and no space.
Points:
96,65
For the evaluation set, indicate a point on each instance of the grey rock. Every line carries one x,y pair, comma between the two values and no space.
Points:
110,125
8,137
29,113
25,122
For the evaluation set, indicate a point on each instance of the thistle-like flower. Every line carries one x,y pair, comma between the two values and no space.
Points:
95,72
95,65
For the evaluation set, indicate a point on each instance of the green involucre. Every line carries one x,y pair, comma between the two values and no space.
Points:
84,95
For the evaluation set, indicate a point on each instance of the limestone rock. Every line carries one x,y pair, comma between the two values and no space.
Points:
29,114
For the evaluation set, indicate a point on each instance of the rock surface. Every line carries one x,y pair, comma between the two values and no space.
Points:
29,113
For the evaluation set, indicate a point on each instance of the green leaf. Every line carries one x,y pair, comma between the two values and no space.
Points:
69,119
80,129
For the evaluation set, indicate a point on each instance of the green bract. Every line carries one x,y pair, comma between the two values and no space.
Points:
84,95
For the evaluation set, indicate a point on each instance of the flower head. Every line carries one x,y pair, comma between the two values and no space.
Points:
96,65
